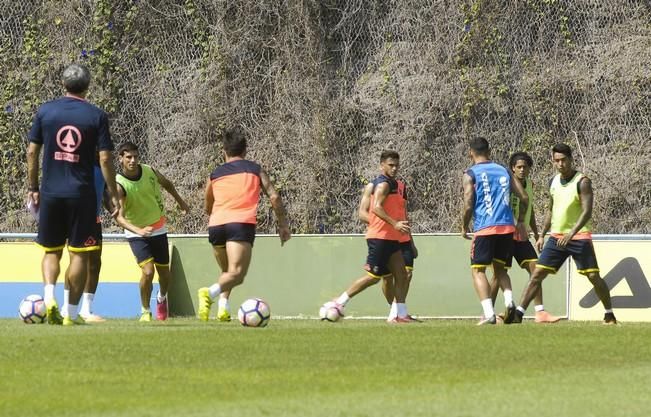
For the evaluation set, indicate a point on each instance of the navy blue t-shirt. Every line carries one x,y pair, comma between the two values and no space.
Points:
71,131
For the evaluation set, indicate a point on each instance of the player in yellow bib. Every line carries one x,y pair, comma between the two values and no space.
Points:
142,216
569,221
524,253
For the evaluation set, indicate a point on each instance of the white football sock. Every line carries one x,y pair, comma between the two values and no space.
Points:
487,305
48,294
343,299
71,311
521,310
160,297
539,307
223,304
214,290
402,309
393,311
66,300
508,297
86,302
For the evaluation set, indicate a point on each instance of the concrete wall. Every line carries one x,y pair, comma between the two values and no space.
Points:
309,270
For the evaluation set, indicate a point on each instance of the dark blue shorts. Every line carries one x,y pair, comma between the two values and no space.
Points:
148,249
407,254
491,248
71,219
582,251
236,232
379,253
523,252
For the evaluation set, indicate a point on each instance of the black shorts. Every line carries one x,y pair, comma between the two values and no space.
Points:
487,249
379,253
98,231
71,219
582,251
148,249
236,232
523,252
407,254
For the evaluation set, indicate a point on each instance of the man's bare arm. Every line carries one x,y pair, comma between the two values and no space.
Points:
33,154
209,197
108,171
468,204
277,206
365,202
169,187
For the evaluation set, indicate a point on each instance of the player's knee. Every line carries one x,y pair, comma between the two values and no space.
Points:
148,271
537,277
594,277
238,276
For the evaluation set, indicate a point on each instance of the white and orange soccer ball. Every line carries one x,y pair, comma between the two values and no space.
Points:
32,309
254,312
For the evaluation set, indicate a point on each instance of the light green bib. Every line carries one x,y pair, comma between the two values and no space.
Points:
515,204
143,203
567,205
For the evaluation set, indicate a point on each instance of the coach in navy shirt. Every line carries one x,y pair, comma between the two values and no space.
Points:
70,130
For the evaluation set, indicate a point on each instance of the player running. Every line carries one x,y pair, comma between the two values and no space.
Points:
231,200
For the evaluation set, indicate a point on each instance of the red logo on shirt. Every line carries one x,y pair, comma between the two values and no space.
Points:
68,138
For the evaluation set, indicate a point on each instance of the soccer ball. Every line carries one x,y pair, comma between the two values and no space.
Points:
254,312
32,309
331,312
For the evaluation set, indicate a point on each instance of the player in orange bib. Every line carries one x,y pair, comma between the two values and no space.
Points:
386,227
231,201
407,245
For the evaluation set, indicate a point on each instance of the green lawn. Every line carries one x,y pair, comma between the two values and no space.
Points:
308,368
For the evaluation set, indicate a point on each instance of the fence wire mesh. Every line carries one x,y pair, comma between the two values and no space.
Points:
321,87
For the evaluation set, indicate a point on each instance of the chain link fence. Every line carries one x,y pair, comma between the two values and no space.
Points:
321,87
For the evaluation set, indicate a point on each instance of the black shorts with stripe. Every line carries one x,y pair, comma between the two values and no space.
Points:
582,251
487,249
151,248
68,219
523,252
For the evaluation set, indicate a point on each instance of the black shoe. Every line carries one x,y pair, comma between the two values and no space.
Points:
509,314
609,319
517,317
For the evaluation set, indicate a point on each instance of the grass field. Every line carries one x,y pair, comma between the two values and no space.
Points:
308,368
